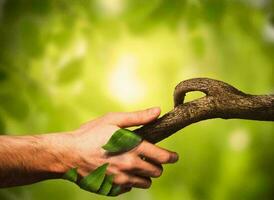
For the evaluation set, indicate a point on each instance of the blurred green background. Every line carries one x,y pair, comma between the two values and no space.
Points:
64,62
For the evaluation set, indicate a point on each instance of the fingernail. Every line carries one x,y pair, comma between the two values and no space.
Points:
175,157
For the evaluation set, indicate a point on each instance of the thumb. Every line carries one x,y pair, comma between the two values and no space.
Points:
127,119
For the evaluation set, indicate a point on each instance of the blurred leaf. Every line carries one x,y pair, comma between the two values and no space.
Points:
30,37
40,7
170,40
2,126
70,72
3,75
198,46
15,106
214,10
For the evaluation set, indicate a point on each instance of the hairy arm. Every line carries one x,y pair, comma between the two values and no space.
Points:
29,159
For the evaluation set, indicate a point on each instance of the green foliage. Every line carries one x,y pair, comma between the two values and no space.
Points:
15,106
70,72
66,62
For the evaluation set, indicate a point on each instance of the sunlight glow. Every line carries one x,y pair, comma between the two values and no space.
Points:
268,32
239,140
124,83
111,7
80,48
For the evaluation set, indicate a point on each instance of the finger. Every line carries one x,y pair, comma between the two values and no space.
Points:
136,118
125,190
117,190
129,180
147,169
156,154
140,182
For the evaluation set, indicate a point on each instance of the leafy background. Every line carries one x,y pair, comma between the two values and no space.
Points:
64,62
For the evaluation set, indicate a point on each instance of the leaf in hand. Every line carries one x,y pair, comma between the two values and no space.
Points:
106,185
116,189
94,180
71,175
122,140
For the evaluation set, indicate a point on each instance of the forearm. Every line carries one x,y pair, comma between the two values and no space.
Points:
29,159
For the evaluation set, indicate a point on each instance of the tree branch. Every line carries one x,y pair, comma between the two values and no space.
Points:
221,101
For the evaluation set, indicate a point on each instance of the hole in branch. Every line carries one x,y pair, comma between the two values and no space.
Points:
190,96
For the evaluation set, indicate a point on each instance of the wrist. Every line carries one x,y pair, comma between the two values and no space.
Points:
60,153
30,159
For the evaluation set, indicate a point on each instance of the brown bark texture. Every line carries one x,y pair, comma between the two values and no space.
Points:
221,100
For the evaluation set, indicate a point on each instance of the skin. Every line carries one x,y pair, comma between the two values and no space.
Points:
30,159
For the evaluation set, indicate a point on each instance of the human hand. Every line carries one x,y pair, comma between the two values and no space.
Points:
129,168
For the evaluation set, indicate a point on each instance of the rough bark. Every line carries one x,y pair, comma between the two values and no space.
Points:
221,101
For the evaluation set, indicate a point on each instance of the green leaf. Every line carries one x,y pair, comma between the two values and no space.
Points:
94,180
115,190
122,140
71,175
106,185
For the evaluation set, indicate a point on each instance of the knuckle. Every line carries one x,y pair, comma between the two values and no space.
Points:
122,180
129,164
145,149
138,149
